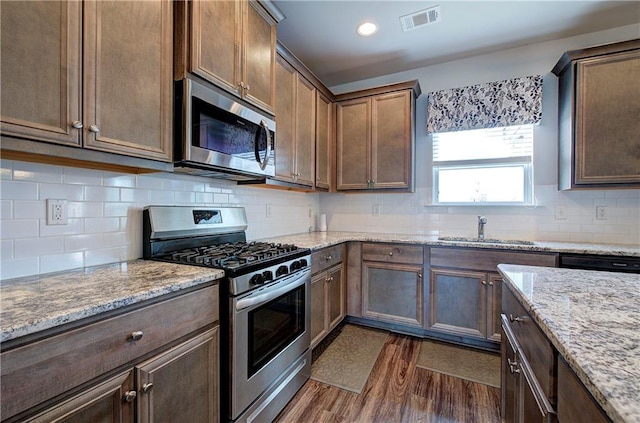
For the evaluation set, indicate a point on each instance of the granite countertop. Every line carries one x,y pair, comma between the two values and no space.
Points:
593,320
35,303
318,240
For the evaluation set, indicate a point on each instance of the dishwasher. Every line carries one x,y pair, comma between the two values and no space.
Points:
602,263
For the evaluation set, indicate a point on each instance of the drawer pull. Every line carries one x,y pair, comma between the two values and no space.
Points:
420,275
391,254
328,257
147,387
330,279
129,396
484,282
513,318
136,336
513,366
490,283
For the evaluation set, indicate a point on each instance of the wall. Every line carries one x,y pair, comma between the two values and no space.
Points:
105,213
412,213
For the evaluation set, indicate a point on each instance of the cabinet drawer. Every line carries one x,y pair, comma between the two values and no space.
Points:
488,260
393,253
534,344
326,258
41,370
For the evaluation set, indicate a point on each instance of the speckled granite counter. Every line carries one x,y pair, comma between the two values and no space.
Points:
31,304
593,320
317,240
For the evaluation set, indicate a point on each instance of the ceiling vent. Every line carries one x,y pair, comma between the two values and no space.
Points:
421,18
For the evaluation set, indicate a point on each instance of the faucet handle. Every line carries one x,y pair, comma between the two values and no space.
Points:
482,219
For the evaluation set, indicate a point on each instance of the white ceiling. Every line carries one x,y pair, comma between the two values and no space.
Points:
322,33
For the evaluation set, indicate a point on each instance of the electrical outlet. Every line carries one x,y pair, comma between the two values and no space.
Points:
375,211
56,212
310,212
560,212
268,210
602,213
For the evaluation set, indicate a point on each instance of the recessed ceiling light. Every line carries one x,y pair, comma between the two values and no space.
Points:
366,29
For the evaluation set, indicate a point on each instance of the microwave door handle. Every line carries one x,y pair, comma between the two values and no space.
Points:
263,163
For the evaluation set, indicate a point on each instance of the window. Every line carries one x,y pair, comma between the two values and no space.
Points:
490,166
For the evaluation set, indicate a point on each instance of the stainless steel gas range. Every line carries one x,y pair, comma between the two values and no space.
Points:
265,303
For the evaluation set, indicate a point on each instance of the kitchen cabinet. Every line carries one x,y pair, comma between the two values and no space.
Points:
96,75
375,138
575,403
328,292
464,297
325,158
295,120
231,44
392,283
599,129
159,359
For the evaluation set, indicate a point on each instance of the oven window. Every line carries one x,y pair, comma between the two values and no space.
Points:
273,326
219,130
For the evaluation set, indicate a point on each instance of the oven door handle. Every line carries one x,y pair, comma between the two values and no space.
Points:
257,299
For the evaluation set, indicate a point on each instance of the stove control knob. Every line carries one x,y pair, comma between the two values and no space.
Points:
267,275
282,270
256,279
295,266
303,263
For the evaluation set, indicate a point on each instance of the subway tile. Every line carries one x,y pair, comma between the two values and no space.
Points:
204,197
115,239
105,256
19,228
90,177
58,262
37,172
135,195
184,197
6,249
38,246
101,194
6,209
83,242
6,170
12,190
116,209
84,209
30,209
110,179
73,227
15,268
61,191
221,198
161,197
101,224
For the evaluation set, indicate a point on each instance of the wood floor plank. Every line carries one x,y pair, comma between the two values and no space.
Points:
397,391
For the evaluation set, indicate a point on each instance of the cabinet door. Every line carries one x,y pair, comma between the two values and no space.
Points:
259,56
494,306
392,292
305,132
575,403
318,315
457,302
508,377
353,144
128,77
40,70
607,124
391,141
103,403
216,37
336,307
181,384
324,150
285,112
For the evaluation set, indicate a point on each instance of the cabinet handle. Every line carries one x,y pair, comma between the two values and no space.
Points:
391,254
484,282
77,124
129,396
490,283
147,387
328,257
247,87
513,318
330,279
95,129
513,366
420,275
136,336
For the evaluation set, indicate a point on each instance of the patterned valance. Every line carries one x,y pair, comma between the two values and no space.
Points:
515,101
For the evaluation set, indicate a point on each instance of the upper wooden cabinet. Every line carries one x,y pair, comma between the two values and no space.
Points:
599,129
295,120
375,138
325,157
92,74
231,43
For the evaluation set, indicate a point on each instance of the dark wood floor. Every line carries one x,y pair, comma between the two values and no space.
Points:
397,391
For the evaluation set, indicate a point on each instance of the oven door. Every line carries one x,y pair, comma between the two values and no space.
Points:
270,331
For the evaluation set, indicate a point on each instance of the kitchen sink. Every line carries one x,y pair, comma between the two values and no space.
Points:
485,241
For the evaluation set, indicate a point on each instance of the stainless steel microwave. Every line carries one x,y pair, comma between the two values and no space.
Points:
217,136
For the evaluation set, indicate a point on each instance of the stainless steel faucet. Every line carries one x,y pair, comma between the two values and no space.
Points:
481,222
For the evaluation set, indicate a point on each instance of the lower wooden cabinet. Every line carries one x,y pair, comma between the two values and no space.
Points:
393,283
160,362
575,404
328,292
